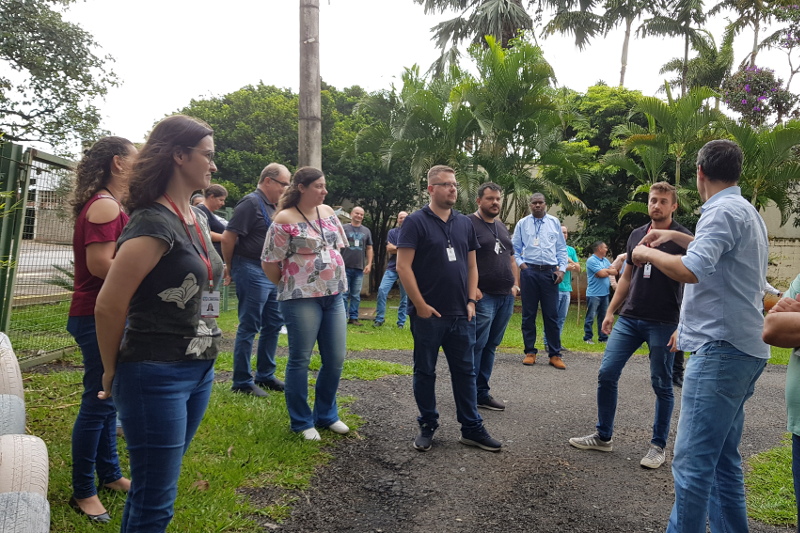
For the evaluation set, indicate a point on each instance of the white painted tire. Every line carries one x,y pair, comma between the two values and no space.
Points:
24,512
10,376
24,465
12,415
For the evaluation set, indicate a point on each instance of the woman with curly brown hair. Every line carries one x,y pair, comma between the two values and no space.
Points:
163,292
100,187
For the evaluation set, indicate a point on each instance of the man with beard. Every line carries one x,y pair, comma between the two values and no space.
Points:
540,252
437,266
721,324
498,285
651,304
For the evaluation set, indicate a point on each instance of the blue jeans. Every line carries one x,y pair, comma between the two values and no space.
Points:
161,406
456,337
537,287
260,313
626,337
564,299
596,307
322,321
94,435
352,298
389,277
492,313
706,466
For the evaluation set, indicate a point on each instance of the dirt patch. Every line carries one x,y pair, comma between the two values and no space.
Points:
378,483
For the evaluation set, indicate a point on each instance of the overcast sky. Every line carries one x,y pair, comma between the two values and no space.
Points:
168,52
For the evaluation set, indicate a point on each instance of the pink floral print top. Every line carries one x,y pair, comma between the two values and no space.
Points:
301,251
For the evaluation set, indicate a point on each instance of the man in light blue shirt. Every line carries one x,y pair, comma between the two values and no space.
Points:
540,252
598,276
724,270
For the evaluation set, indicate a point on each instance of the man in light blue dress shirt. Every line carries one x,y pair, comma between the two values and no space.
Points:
724,270
540,251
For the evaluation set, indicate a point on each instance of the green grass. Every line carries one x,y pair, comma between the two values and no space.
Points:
39,328
770,495
245,443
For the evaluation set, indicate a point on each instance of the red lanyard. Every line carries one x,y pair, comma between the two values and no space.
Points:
206,258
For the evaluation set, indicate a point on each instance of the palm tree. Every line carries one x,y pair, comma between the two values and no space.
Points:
755,13
682,124
578,18
679,18
502,19
710,67
770,168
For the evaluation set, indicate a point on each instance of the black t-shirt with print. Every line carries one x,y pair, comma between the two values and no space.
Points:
213,224
164,322
657,298
494,269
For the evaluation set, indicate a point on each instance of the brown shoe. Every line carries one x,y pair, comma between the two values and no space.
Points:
530,359
557,362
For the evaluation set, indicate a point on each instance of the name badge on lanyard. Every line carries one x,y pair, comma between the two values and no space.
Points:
451,253
325,255
648,268
210,304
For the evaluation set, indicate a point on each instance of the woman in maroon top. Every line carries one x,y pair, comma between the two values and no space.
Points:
99,219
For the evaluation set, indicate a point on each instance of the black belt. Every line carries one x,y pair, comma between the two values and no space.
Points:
541,267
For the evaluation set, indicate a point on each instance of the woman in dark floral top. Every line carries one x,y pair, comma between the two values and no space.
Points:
162,292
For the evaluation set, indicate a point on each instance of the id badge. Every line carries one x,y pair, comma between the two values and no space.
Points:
648,268
209,304
451,253
497,249
325,255
356,242
536,241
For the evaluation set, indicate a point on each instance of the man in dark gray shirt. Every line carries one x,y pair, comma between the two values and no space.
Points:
357,261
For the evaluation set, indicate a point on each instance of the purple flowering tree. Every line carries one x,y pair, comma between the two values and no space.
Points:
758,96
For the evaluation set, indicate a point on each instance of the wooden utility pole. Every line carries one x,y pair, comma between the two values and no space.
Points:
309,152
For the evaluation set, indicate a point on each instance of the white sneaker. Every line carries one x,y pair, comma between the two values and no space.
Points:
311,434
655,457
284,331
339,427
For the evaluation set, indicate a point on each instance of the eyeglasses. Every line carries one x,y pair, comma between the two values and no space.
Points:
449,185
281,183
210,154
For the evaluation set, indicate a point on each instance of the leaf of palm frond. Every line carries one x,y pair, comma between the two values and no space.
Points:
632,207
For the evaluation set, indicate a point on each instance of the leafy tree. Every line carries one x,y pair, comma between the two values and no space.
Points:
502,19
758,95
52,74
786,38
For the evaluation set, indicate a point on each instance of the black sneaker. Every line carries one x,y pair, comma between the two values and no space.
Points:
354,322
272,384
677,380
251,389
424,440
377,324
484,443
492,404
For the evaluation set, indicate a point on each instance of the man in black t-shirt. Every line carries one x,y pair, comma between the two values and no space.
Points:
436,264
651,303
242,244
498,284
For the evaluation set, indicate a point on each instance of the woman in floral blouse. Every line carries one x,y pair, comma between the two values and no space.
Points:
162,291
301,256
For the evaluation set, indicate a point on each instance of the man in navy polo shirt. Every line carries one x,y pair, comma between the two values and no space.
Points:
437,266
242,244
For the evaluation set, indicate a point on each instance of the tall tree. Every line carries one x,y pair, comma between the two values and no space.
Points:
578,17
749,13
502,19
786,38
52,74
711,66
678,18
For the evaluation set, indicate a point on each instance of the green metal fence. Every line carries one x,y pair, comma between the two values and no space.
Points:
35,241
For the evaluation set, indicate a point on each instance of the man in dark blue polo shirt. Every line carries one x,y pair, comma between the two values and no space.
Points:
437,266
242,244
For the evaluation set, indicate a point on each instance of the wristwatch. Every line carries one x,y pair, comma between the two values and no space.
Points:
472,300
